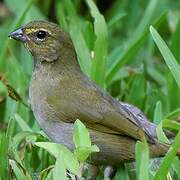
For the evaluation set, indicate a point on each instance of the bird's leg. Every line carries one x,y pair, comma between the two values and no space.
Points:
108,172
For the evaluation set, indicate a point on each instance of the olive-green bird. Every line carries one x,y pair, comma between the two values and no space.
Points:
60,93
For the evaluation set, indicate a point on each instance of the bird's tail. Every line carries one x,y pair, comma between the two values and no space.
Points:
148,127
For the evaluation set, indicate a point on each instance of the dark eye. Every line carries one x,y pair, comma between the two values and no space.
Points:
41,34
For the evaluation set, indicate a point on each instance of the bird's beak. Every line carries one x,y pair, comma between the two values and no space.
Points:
18,35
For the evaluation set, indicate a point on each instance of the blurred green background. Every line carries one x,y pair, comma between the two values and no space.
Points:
115,48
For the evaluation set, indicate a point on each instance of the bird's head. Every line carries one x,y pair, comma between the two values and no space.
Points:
45,40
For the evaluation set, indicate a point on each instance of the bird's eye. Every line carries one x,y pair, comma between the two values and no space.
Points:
41,34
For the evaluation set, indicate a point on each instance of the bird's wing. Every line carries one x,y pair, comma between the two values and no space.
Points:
98,110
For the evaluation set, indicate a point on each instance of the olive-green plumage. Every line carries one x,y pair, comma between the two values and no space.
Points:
60,93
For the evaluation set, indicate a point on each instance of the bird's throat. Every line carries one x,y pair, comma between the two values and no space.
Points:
66,63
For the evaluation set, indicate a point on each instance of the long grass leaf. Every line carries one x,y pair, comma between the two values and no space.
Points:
59,169
167,55
148,14
130,51
100,48
3,156
142,160
158,113
168,159
16,23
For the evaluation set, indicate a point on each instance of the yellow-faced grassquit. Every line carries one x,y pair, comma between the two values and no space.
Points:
60,93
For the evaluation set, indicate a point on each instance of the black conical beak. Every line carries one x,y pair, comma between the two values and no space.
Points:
18,35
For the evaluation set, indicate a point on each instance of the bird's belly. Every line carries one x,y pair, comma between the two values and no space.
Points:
47,118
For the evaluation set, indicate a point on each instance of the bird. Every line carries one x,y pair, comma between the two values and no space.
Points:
60,93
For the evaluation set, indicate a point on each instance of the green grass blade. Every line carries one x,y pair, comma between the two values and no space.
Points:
59,169
160,133
176,166
19,175
167,55
115,19
176,42
148,14
142,160
173,114
171,124
77,37
158,113
3,156
24,126
17,171
81,135
55,149
158,121
16,23
122,173
100,47
61,15
138,82
173,92
84,56
130,52
168,159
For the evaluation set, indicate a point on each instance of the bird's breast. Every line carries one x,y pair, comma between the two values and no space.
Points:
42,86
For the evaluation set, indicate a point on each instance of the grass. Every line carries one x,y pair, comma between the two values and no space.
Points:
131,49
